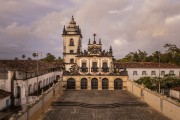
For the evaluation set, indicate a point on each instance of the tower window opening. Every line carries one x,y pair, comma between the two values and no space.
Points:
71,51
71,42
72,60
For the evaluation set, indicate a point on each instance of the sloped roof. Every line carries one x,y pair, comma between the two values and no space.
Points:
176,88
144,65
3,94
29,65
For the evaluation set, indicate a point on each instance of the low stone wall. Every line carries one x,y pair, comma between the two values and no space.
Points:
36,110
159,102
175,94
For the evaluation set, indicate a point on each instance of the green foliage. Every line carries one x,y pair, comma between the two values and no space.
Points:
34,55
59,59
171,55
49,58
23,56
167,82
138,56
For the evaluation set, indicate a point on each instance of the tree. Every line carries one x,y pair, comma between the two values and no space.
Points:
15,58
137,56
49,57
34,55
23,56
171,55
60,59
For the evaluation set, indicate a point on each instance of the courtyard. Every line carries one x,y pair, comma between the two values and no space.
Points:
100,105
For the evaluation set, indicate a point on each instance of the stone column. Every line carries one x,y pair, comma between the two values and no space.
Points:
78,84
111,83
89,83
99,83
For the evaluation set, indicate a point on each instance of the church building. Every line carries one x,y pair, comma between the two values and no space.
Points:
92,68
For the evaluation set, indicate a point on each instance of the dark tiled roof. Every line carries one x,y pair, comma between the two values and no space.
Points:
3,94
176,88
144,65
28,65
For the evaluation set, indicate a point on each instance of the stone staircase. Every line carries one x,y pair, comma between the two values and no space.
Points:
99,106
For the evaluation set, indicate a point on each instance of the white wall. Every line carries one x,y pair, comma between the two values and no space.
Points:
175,94
24,84
148,71
5,84
3,102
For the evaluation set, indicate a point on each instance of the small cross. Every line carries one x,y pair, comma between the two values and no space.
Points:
94,35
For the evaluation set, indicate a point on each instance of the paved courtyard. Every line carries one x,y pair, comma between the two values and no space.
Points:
100,105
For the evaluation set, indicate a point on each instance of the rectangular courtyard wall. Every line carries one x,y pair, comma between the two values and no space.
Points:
159,102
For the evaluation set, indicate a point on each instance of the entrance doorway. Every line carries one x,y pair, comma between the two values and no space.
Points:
94,83
118,84
71,83
83,83
105,84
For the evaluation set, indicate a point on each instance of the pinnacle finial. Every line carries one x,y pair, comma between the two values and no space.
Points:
89,41
72,18
94,42
110,48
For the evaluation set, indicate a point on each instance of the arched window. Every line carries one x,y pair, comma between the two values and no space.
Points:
94,83
18,92
118,84
30,89
105,83
71,42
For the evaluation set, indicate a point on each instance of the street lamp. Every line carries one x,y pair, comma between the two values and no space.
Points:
37,73
159,74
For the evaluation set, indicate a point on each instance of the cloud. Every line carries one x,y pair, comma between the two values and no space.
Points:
171,20
31,26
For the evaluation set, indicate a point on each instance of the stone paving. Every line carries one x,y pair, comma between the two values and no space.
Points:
125,107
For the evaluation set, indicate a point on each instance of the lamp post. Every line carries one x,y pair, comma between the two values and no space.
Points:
159,74
37,73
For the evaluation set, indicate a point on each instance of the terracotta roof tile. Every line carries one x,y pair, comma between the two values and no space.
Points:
176,88
3,94
28,65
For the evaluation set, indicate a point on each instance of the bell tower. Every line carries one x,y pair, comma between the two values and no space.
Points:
71,42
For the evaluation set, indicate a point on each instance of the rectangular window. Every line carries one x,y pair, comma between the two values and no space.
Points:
162,73
144,73
153,72
94,64
83,65
72,60
171,72
135,73
71,51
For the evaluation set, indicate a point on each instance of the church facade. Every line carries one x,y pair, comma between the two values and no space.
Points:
92,68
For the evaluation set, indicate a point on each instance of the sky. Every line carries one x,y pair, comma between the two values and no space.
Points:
28,26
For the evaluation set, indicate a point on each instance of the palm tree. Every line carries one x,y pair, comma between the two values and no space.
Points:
23,56
34,55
